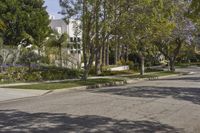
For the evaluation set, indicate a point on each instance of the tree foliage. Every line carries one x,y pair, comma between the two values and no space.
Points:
24,19
140,27
58,41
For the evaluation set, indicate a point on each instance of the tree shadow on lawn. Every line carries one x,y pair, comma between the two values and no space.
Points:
188,94
13,121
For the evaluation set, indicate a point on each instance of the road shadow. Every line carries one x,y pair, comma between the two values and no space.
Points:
13,121
187,94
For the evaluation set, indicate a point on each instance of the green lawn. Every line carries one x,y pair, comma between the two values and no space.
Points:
66,84
152,74
185,65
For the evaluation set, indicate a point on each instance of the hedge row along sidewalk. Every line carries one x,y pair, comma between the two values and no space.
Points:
90,83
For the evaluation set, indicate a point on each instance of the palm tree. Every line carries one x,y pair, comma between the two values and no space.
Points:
58,40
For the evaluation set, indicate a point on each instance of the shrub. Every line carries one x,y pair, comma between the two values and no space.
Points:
2,76
44,59
154,69
55,73
121,62
47,73
28,57
92,71
33,76
16,73
130,64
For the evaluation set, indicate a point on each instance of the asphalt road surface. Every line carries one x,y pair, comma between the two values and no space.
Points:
169,105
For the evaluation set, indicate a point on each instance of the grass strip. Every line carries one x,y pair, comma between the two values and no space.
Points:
152,74
66,84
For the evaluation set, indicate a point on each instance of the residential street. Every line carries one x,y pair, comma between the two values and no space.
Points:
170,105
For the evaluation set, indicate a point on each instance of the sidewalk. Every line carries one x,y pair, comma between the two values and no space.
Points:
11,94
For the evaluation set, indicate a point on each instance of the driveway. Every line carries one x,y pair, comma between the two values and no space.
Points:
169,105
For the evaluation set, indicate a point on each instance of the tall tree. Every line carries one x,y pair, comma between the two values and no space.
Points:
24,18
85,11
138,21
179,33
39,25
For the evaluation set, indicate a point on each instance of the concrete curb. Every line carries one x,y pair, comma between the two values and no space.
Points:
32,83
116,83
132,81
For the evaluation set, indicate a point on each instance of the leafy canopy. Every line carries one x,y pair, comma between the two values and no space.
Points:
24,19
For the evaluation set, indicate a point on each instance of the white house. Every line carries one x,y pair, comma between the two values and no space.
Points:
72,53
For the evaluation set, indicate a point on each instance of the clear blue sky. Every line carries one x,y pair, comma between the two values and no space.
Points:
53,8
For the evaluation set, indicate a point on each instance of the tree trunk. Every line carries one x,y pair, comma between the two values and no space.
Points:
116,54
142,65
84,33
118,51
126,53
60,52
107,54
98,62
122,57
103,55
98,47
85,74
172,65
39,53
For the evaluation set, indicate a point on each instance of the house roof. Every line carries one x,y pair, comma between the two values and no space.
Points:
55,23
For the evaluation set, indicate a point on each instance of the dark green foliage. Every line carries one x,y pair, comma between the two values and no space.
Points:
194,12
16,73
40,74
130,64
28,57
154,69
25,21
55,73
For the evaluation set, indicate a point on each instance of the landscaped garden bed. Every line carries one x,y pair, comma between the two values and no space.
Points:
24,74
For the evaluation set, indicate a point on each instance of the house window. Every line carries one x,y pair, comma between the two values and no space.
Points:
79,39
79,46
71,39
75,39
